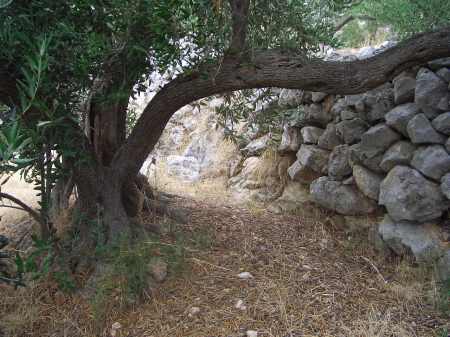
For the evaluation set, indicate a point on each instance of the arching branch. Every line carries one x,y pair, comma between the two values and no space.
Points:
35,215
274,68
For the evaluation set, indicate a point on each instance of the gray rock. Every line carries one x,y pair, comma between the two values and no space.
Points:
355,100
312,163
445,185
378,102
348,114
421,132
290,139
442,123
447,145
351,130
404,89
377,140
367,181
338,107
443,267
406,238
290,98
400,153
444,73
317,116
407,195
330,138
358,156
399,117
344,199
158,270
432,161
311,134
431,93
257,146
439,63
318,97
338,163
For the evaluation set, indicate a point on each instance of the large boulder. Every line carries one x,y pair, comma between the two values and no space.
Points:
406,238
312,163
377,140
400,153
351,130
399,117
421,132
311,134
343,199
367,181
432,161
338,163
407,195
442,123
445,185
431,93
329,139
290,139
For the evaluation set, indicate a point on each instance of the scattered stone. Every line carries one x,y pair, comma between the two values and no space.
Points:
445,185
115,329
257,146
193,311
329,139
343,199
290,140
400,153
442,123
311,134
240,305
158,270
404,238
404,89
245,275
407,195
251,333
351,130
338,163
367,181
431,93
318,97
421,132
377,140
399,117
432,161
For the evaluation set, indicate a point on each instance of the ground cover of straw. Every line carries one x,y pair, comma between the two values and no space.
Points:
309,280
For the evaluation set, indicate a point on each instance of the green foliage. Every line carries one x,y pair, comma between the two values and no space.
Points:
359,34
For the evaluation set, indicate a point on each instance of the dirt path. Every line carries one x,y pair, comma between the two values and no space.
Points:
308,279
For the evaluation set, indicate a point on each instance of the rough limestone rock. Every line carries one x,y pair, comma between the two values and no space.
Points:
377,140
404,89
378,102
431,93
311,134
318,97
343,199
367,181
432,161
338,163
400,153
421,132
330,138
290,98
312,163
356,101
406,238
408,195
399,117
447,145
443,267
359,156
317,116
348,114
351,130
290,139
187,168
444,73
445,185
338,107
257,146
442,123
439,63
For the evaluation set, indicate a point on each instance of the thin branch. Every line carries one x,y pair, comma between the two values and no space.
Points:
35,215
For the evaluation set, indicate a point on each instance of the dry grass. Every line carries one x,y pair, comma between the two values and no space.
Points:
309,281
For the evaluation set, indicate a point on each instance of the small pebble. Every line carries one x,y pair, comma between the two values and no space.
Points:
193,311
245,275
252,333
240,305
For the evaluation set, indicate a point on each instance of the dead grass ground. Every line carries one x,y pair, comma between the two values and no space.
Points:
309,280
